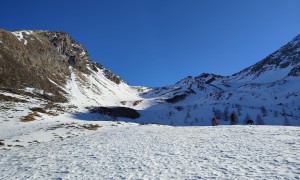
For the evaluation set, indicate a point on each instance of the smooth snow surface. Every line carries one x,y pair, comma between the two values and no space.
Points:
161,152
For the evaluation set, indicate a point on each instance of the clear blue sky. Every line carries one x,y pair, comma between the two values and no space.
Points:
158,42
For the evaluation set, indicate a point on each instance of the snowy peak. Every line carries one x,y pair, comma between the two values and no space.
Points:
76,54
262,92
281,64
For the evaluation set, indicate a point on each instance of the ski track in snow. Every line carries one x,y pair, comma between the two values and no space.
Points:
162,152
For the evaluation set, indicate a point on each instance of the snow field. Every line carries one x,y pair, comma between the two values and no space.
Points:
45,127
162,152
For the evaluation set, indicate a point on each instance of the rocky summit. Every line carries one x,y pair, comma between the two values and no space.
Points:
42,60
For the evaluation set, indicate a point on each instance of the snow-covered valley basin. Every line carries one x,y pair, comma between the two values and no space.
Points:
161,152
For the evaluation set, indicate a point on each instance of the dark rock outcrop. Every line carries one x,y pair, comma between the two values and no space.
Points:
116,112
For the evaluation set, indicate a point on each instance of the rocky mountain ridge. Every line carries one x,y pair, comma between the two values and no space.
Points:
41,60
286,56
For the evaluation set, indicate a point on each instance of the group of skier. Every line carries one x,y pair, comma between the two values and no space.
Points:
214,121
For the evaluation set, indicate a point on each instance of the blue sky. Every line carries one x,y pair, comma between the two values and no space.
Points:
159,42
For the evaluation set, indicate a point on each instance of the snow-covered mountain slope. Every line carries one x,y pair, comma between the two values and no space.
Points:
161,152
47,83
64,110
96,90
52,66
56,69
267,92
48,62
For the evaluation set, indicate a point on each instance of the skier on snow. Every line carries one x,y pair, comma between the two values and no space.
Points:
250,122
214,122
233,119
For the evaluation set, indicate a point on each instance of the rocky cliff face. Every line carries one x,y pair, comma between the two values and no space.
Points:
40,60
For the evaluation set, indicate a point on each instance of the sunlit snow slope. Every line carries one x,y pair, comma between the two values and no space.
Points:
267,92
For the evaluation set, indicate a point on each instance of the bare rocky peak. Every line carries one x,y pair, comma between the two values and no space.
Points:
75,53
41,60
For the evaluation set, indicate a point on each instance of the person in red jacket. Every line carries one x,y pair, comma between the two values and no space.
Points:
214,122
